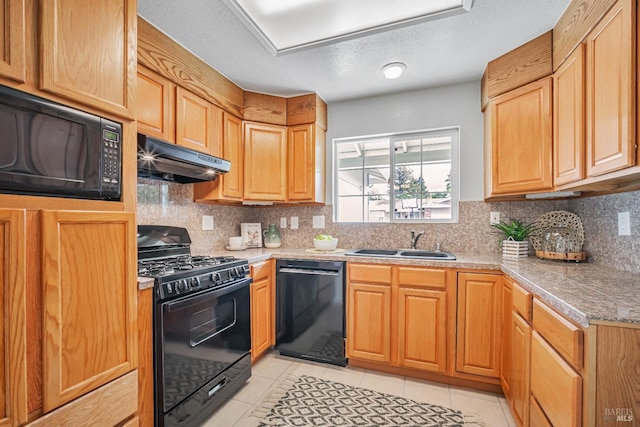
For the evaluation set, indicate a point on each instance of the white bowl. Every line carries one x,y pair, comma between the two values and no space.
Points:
325,245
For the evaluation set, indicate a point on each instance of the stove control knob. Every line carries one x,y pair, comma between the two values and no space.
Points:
194,282
233,273
182,285
216,279
240,272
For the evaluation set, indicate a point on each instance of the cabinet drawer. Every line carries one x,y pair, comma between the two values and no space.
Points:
555,385
564,336
522,301
423,277
537,418
261,270
370,273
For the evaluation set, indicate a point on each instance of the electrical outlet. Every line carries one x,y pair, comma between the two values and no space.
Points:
294,222
283,222
318,221
207,222
624,224
495,218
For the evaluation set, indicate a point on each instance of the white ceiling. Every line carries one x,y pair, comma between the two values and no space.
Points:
437,52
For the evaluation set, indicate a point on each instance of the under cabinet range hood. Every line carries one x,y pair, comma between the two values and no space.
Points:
170,162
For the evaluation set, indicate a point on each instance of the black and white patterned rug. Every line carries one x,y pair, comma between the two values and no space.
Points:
309,401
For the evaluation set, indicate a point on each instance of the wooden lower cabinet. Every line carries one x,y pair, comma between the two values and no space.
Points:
262,308
369,322
13,345
537,418
422,338
397,316
520,348
505,348
555,385
479,324
77,337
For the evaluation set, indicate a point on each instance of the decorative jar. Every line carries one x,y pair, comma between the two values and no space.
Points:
272,237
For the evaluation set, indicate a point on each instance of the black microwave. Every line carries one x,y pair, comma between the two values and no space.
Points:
48,149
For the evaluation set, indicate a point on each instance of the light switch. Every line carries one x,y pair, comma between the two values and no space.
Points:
294,222
283,222
207,222
318,221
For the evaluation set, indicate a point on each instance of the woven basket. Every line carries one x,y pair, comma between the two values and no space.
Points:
513,249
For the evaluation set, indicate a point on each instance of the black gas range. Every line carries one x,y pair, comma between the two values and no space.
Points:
202,332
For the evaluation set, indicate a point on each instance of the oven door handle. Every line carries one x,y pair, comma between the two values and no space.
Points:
207,295
217,388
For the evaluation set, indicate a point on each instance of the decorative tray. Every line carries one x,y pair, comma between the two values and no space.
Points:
558,235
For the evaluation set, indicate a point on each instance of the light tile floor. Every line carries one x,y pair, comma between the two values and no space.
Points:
269,371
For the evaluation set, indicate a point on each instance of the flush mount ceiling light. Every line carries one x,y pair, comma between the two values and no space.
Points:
285,26
393,70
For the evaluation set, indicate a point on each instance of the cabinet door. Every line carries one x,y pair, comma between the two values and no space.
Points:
479,324
505,348
12,40
155,113
568,119
422,338
89,276
611,91
230,185
13,323
262,313
306,165
369,322
196,123
521,345
265,162
232,150
555,385
89,52
521,139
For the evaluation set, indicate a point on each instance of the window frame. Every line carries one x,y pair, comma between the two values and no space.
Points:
454,131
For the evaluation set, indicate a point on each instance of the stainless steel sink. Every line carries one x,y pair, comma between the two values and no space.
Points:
402,253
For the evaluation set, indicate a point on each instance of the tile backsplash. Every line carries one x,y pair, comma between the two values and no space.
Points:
172,204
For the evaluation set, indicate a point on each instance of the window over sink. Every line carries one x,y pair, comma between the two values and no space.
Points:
401,177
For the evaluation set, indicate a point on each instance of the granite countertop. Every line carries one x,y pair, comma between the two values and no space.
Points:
586,293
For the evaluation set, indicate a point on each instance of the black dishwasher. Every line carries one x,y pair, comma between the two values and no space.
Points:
310,310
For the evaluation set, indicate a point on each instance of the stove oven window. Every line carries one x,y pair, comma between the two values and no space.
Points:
207,323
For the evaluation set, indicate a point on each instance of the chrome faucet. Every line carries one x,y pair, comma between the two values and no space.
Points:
414,238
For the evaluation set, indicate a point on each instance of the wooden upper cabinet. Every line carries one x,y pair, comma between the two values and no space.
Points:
306,162
479,324
88,52
198,123
568,120
265,162
89,286
12,40
230,185
611,91
13,345
422,338
521,140
155,105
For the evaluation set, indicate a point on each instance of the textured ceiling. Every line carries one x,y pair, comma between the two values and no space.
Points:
440,52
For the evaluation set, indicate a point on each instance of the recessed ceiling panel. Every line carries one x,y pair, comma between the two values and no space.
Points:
291,25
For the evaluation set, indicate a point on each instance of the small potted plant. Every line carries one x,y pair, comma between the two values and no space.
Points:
515,233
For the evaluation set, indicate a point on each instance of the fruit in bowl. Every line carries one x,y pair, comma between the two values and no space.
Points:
324,242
